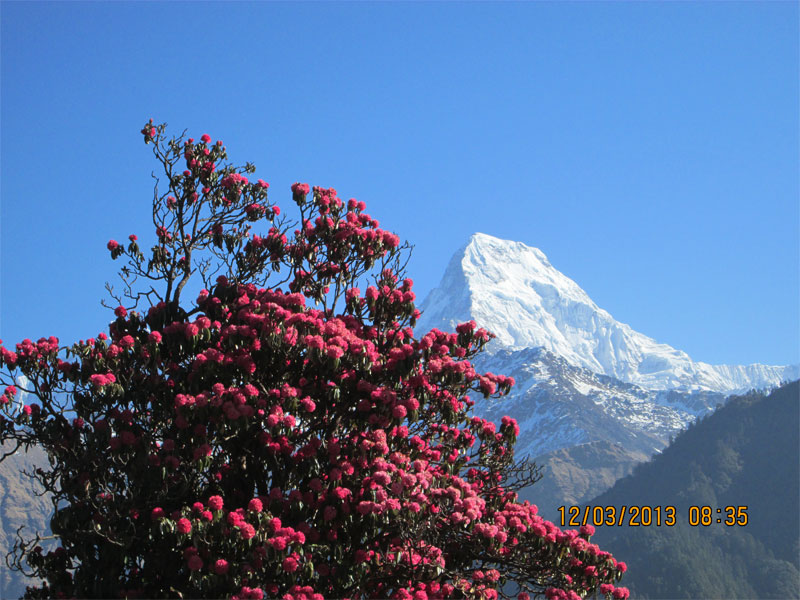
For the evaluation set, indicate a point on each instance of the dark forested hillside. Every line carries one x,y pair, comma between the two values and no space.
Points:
746,454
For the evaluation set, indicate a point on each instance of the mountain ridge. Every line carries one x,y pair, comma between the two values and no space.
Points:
512,290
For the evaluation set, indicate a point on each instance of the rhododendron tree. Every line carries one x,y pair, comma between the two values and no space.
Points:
284,434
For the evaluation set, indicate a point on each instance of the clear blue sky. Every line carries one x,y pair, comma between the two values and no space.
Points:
650,150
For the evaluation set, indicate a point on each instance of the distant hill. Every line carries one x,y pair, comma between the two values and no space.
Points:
747,453
572,476
19,505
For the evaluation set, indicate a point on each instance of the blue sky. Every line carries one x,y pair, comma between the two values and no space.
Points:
649,149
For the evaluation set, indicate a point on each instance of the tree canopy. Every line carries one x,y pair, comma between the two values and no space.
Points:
284,434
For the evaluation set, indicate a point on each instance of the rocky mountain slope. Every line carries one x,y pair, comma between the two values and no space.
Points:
583,429
20,506
572,476
558,405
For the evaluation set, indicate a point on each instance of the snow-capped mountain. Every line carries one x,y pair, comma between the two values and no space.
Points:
585,430
559,405
592,397
513,291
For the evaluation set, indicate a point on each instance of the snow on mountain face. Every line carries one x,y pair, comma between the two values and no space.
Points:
513,291
558,405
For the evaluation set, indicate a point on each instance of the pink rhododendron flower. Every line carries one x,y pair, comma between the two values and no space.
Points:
278,543
184,526
220,566
300,190
290,564
246,530
194,562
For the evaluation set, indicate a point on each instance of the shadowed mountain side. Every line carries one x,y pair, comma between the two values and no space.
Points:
745,454
19,505
572,476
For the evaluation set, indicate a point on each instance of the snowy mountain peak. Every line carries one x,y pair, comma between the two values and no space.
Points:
512,290
523,277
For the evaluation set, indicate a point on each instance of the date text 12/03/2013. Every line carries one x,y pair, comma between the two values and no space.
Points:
649,516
